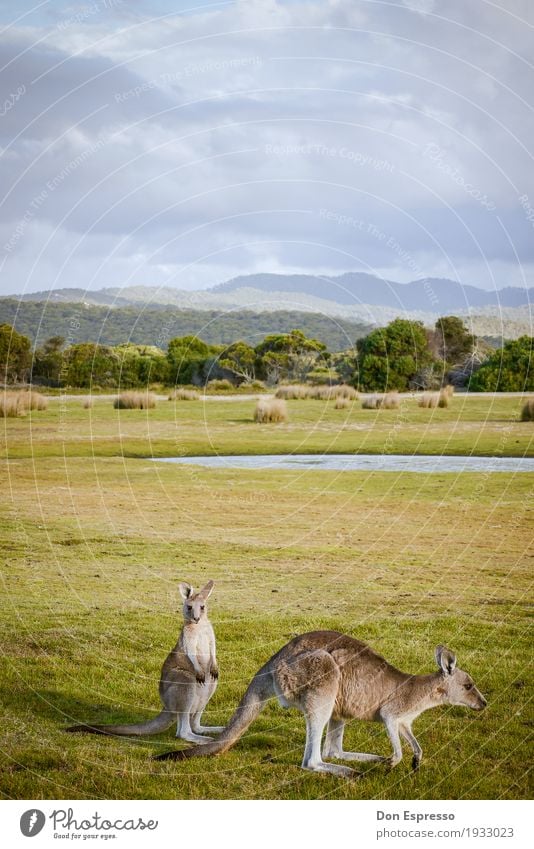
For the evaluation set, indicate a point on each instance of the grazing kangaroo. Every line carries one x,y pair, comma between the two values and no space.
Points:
188,678
331,678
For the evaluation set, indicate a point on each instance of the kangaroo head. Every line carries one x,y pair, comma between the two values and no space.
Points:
195,608
457,687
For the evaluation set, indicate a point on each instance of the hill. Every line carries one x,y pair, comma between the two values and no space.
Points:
79,322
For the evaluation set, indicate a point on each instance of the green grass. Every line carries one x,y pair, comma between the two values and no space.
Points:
95,540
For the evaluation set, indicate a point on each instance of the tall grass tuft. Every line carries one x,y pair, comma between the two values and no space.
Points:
273,411
135,401
378,401
217,385
391,401
341,404
184,395
429,400
87,403
303,392
527,412
14,404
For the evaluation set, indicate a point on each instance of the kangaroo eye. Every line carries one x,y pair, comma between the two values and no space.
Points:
202,606
468,686
189,608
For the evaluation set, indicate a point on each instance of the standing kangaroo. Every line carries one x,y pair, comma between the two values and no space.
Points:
330,678
188,678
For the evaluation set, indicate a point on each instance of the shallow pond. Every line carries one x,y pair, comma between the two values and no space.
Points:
359,462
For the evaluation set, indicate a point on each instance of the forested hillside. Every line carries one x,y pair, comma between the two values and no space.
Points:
146,326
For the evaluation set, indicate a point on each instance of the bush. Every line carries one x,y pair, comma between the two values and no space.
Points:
220,386
527,413
135,401
87,403
14,404
341,404
270,411
184,395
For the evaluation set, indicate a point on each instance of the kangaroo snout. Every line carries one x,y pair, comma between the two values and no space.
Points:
482,702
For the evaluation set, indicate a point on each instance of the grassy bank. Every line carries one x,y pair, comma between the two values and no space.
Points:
95,539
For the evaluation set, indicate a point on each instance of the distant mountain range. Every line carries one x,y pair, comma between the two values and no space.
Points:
353,290
433,294
354,297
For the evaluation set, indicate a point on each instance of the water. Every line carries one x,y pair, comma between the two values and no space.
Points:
359,462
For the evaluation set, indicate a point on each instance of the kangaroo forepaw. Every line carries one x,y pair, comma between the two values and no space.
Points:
214,672
201,678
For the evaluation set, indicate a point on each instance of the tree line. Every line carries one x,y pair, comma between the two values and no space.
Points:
403,355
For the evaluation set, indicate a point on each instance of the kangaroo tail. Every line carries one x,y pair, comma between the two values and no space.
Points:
252,703
152,726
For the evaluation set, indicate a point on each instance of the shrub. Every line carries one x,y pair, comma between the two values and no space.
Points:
220,386
184,395
135,401
87,403
341,404
13,404
527,413
270,411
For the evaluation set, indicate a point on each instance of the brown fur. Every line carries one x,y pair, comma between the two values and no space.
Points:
332,677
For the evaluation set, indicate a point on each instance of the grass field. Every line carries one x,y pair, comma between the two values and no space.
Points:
95,538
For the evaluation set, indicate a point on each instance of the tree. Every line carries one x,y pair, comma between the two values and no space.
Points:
391,357
48,362
89,363
510,369
190,359
287,356
240,359
15,355
452,341
140,365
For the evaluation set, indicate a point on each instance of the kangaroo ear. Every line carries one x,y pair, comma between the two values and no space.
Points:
205,592
185,589
446,660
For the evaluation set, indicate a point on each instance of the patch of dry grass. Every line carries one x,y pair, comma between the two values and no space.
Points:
14,404
527,411
303,392
274,411
184,395
135,401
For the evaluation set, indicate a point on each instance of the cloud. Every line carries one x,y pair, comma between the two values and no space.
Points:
173,148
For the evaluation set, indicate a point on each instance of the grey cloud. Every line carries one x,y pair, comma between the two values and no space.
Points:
228,132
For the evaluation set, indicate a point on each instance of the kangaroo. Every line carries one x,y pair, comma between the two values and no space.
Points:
331,678
188,678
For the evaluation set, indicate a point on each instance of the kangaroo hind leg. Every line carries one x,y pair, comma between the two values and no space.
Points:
318,678
333,745
205,692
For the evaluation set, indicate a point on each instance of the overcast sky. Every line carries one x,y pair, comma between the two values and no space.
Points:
181,143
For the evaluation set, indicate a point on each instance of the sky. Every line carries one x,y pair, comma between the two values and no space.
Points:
149,142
